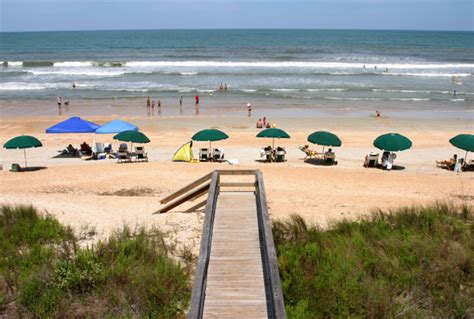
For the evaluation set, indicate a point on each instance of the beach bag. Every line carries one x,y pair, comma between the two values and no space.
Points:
15,167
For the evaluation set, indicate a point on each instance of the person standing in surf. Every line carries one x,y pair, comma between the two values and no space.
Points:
249,109
181,105
196,106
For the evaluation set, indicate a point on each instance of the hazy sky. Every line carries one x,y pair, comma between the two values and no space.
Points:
38,15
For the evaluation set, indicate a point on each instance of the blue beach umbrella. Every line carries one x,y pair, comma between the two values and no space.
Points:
116,126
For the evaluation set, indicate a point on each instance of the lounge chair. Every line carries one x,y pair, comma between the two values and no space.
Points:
310,154
218,155
141,155
371,159
267,153
123,155
204,155
280,154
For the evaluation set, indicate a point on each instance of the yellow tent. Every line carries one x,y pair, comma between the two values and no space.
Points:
184,153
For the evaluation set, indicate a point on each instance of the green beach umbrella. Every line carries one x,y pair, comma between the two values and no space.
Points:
23,142
464,142
210,135
392,142
132,136
273,133
324,138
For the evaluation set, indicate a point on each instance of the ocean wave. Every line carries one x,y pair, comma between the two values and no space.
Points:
293,64
78,72
410,91
245,64
458,100
428,74
13,63
26,86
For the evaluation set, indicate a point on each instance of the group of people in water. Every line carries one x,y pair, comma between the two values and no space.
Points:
151,105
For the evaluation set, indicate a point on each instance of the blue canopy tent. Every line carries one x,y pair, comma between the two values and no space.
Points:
73,125
116,126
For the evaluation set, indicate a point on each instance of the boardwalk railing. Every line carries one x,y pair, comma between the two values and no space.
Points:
274,296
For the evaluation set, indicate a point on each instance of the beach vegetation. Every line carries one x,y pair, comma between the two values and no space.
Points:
409,262
45,273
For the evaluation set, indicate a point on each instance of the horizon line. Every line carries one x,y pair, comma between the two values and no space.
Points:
218,29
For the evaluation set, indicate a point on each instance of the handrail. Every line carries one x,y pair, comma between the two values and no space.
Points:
186,188
199,287
276,305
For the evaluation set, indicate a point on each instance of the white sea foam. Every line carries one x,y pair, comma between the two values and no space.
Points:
285,90
73,64
328,89
410,91
26,86
14,63
78,72
428,74
188,73
457,100
248,90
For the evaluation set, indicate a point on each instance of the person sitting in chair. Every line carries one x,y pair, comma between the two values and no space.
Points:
86,149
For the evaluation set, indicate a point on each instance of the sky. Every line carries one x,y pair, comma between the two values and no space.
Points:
56,15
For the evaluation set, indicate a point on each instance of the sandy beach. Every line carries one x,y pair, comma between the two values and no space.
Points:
90,193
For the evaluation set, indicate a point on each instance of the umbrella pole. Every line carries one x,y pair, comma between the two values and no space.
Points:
465,157
323,149
24,155
273,148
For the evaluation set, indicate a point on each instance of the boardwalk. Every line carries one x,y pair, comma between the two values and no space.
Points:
237,272
235,283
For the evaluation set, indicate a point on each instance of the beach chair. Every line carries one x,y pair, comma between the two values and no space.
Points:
267,153
280,154
218,155
371,159
122,154
310,154
204,154
141,156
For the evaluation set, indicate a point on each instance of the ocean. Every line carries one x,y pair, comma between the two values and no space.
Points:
320,68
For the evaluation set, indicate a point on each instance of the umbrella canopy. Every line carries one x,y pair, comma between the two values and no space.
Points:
324,138
273,133
132,136
116,126
464,142
392,142
23,142
210,135
73,125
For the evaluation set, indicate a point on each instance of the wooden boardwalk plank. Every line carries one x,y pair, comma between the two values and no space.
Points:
235,285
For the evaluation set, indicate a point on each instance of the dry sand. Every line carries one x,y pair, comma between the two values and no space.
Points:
82,193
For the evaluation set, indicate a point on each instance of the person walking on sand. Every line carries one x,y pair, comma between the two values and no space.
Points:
249,109
148,102
153,107
159,107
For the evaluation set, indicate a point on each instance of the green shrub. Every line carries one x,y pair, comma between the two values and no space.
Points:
43,272
416,261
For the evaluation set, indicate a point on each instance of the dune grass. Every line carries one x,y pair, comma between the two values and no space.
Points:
44,273
412,262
